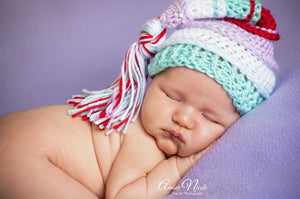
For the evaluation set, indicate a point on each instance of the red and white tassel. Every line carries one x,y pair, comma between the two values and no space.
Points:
116,106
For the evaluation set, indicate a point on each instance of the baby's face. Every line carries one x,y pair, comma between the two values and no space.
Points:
185,111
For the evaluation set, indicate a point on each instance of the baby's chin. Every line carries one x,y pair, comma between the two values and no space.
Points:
170,148
167,146
178,153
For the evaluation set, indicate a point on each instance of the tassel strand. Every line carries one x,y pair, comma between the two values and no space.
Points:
116,106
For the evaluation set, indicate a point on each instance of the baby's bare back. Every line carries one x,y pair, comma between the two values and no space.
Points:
44,153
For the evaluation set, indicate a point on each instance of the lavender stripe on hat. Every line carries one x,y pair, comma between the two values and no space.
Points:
259,46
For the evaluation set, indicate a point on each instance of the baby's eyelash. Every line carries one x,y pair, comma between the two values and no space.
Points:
209,118
171,97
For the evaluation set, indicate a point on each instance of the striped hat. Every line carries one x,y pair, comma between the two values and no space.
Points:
229,40
237,51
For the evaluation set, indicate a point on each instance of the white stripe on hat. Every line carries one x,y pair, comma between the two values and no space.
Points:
262,77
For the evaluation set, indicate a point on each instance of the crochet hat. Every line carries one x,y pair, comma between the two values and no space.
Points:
229,40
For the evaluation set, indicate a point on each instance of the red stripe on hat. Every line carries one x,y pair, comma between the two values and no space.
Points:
265,27
249,17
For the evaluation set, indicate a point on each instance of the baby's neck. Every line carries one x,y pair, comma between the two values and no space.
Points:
137,126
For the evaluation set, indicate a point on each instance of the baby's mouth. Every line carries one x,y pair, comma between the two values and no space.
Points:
176,136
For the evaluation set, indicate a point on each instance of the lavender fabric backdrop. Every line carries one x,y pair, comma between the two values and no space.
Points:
50,50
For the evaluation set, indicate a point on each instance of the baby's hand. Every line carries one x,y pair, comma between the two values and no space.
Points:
185,163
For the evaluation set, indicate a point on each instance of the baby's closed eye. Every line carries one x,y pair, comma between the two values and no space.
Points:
171,96
210,118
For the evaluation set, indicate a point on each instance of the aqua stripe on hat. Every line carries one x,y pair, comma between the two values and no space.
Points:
243,92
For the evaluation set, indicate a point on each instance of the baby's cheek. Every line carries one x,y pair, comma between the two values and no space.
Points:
149,121
204,137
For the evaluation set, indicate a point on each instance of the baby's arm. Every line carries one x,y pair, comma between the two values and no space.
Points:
141,167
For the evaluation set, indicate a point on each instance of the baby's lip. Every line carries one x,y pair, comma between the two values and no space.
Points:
175,134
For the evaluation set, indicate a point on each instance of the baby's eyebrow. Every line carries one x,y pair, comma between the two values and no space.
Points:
176,90
213,109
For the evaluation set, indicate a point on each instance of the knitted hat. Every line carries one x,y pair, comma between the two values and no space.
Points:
229,40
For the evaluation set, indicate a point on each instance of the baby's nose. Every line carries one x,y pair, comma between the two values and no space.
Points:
185,116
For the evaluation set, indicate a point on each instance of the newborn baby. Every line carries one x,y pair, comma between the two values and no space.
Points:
205,76
57,156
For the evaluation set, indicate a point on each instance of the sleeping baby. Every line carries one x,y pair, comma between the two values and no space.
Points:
217,66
